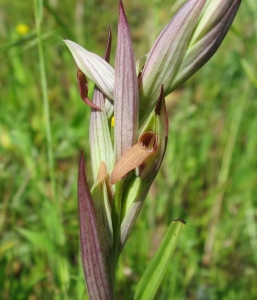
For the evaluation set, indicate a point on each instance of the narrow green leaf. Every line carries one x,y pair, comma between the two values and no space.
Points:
38,239
153,275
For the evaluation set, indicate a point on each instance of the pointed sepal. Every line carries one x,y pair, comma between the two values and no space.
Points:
101,148
94,67
96,249
102,195
109,108
211,29
125,89
167,54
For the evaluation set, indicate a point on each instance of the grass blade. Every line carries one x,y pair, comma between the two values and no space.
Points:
153,275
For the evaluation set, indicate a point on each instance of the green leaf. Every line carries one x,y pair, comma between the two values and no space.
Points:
153,275
38,239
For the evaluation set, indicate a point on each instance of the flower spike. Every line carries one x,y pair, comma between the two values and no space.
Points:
126,160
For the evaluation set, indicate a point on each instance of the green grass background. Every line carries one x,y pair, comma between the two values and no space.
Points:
208,177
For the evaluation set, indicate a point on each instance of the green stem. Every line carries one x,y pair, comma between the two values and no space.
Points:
38,10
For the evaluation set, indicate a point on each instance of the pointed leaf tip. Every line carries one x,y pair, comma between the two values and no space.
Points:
94,244
167,54
159,103
125,89
153,275
107,53
161,110
121,8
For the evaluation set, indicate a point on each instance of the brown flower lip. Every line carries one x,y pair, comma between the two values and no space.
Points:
135,156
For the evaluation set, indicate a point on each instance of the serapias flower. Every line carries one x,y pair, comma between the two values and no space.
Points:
133,93
187,42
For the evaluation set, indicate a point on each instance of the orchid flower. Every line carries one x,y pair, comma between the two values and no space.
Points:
134,94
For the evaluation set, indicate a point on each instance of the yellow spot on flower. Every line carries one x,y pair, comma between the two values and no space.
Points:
112,122
22,28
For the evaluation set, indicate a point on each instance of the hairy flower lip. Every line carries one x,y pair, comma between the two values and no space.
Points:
149,140
135,156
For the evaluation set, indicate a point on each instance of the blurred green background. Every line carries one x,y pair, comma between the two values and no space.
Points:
208,177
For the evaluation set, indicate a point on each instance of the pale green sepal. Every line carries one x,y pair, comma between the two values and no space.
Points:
109,108
101,148
189,64
103,207
94,67
211,14
148,124
214,23
153,275
166,55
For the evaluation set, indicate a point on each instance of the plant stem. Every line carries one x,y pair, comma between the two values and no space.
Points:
38,10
